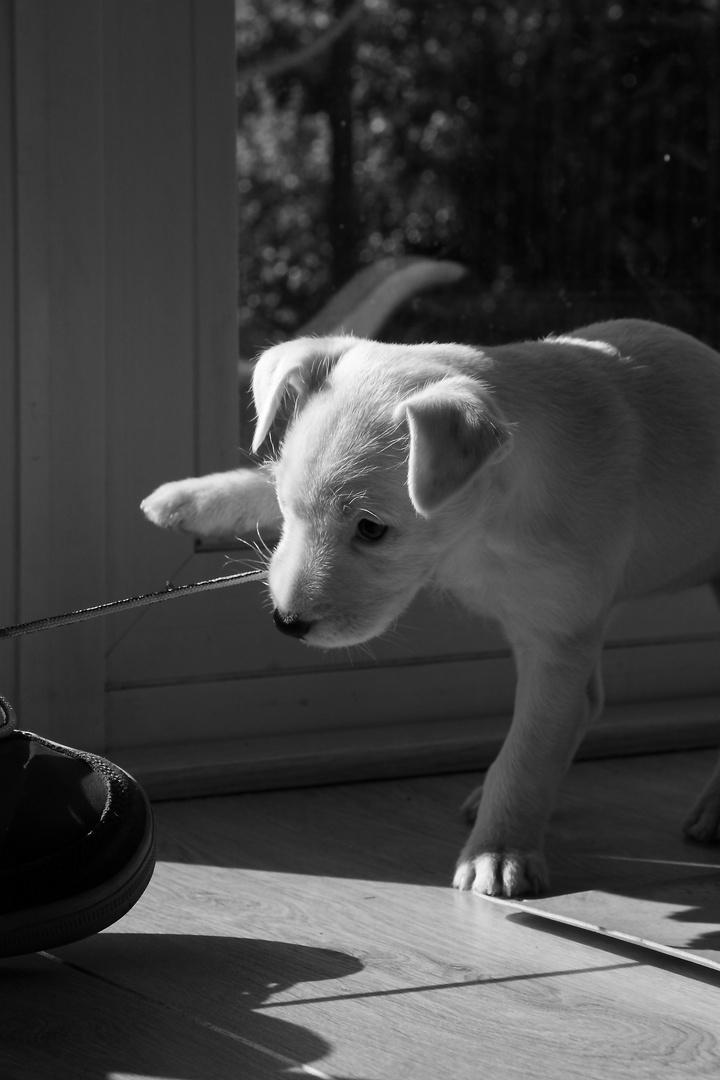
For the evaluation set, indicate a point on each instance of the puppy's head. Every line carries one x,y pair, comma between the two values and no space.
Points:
388,454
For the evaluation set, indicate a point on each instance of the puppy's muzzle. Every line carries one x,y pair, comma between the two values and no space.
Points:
292,625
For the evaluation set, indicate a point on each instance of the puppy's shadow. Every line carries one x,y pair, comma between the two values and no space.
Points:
180,1006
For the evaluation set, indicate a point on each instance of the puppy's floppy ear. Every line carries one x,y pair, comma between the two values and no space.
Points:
455,429
302,365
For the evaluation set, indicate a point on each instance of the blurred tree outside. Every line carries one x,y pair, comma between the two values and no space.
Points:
567,153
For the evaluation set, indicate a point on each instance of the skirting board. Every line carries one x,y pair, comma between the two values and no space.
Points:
328,757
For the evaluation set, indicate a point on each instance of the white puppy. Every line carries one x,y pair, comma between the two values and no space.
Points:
539,483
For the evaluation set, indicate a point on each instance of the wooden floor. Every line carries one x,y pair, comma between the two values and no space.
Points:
313,933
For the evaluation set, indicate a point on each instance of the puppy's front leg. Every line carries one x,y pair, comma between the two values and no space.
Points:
559,694
219,504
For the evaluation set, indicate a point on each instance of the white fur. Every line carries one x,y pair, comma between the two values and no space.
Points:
539,483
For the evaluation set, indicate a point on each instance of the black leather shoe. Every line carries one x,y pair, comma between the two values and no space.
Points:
76,841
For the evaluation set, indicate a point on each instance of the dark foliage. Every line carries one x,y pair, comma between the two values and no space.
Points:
567,153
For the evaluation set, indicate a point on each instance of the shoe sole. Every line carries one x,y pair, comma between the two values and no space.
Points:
50,925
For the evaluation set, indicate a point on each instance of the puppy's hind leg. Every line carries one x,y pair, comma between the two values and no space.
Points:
703,821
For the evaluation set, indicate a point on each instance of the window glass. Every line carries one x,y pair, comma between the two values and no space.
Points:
565,154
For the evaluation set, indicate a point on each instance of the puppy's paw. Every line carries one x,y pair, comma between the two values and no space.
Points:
219,504
703,821
180,504
502,873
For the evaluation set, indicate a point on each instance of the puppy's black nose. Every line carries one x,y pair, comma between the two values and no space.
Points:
292,625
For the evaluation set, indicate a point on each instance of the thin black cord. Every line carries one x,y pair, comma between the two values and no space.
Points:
170,592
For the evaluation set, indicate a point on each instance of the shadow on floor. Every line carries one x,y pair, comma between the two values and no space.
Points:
194,1019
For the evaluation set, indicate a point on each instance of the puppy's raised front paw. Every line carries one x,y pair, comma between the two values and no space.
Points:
502,873
176,505
216,505
204,505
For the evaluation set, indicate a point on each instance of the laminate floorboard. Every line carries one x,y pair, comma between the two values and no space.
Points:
314,933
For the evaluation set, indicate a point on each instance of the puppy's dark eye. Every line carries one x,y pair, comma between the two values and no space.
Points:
370,531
